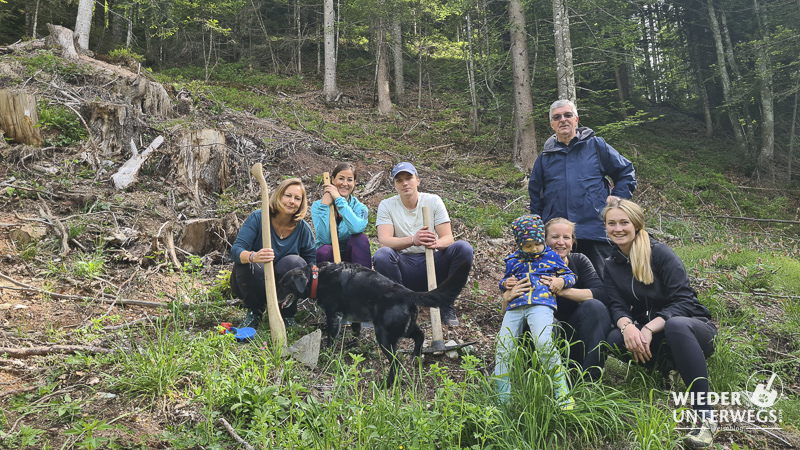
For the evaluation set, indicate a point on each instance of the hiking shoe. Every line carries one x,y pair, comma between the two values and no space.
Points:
449,317
702,436
252,319
289,322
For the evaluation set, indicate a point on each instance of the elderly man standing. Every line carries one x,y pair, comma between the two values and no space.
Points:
575,176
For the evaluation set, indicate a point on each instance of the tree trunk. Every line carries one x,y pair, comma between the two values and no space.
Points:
723,75
83,23
18,117
330,89
299,37
524,132
739,84
793,132
397,49
620,93
698,77
473,95
382,77
764,67
35,19
648,63
564,67
202,162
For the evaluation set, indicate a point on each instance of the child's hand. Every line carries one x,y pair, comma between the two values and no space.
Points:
510,282
555,283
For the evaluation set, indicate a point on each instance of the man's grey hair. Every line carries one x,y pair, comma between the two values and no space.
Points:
559,103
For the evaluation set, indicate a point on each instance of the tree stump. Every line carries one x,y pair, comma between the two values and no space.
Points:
62,38
149,97
201,236
202,162
112,124
18,117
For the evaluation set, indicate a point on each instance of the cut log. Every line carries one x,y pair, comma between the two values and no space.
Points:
145,95
127,174
18,117
62,38
202,162
201,236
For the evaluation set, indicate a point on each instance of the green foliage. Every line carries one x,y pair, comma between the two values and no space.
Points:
240,75
64,122
47,61
486,217
125,55
220,289
87,431
88,265
25,437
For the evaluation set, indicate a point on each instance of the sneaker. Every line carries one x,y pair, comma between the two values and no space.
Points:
449,317
289,322
702,436
251,320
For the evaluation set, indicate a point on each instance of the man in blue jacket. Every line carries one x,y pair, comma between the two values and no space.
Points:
574,177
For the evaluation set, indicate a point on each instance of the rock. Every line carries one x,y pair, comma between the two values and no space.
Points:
5,306
306,350
92,381
20,307
452,354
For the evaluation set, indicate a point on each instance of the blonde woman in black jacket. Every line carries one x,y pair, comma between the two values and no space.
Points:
656,312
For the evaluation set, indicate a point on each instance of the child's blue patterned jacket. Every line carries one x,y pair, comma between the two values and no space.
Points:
549,264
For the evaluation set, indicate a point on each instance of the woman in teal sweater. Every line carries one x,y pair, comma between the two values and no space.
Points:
351,219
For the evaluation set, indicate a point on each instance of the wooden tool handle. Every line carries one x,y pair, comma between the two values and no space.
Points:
337,257
436,318
276,326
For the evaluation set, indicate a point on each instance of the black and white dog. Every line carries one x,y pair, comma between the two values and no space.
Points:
353,292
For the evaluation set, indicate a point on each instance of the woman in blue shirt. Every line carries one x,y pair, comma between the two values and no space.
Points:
292,246
351,219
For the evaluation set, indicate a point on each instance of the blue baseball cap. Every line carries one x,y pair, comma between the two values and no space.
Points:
404,167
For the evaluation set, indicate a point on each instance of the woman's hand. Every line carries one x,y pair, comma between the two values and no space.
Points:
638,343
555,283
264,255
515,288
331,193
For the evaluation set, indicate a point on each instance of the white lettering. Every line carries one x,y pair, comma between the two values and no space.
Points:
680,398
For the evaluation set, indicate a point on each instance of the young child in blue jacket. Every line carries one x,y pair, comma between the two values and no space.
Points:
534,301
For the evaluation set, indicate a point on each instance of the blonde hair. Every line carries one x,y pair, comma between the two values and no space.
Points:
563,221
640,249
275,204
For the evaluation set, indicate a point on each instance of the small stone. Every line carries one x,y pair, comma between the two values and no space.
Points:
106,395
20,306
452,354
92,381
5,306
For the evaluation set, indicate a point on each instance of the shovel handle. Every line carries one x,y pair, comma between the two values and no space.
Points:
276,326
337,257
436,318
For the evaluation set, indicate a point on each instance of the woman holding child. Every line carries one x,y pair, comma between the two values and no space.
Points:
351,219
292,246
655,310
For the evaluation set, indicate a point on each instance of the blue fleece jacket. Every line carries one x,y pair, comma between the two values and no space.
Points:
354,219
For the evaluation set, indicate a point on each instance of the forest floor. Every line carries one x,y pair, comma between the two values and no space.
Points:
56,307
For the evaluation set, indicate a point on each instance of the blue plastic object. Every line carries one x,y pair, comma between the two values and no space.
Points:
243,334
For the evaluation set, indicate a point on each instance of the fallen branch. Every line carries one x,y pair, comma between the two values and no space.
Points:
765,294
233,434
34,351
57,226
170,243
131,323
751,219
120,301
18,391
129,171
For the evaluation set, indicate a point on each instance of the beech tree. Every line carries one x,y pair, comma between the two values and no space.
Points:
330,89
83,23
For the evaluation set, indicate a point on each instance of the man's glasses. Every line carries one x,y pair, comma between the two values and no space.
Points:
566,115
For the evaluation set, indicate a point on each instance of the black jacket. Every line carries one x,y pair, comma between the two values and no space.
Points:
580,265
668,296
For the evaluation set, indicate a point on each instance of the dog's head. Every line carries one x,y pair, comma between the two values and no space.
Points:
294,284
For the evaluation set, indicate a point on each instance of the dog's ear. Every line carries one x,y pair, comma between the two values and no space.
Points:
300,282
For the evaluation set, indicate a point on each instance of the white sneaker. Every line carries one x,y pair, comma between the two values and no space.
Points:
703,436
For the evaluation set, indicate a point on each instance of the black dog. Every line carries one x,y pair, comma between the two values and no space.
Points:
353,292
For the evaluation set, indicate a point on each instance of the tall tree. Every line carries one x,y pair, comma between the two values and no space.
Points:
524,131
330,89
723,75
473,94
764,66
382,59
83,23
564,67
397,51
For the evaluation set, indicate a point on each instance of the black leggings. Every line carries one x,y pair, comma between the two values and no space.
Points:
686,342
247,283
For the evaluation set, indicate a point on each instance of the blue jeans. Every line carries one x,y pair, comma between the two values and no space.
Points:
540,321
